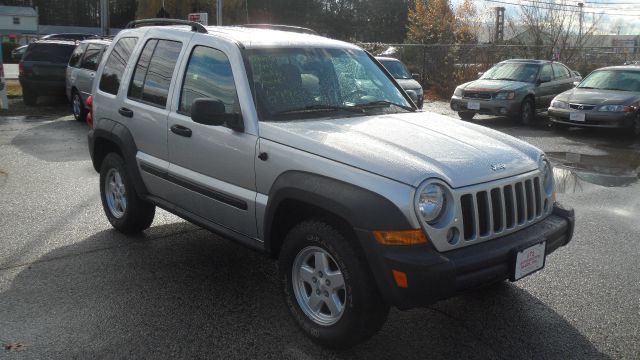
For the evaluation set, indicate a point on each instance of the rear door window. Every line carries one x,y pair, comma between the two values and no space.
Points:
546,73
92,57
116,63
154,71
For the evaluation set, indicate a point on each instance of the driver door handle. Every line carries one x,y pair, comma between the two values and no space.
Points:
181,130
125,112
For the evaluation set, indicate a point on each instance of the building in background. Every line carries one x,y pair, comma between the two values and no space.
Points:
18,24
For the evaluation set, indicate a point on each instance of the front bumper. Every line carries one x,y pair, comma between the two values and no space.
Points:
433,276
487,107
597,119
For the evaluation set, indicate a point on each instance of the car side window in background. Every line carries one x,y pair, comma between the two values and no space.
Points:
546,73
154,70
76,56
91,57
208,75
116,63
561,72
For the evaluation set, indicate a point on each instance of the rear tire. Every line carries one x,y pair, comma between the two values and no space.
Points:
29,97
527,111
77,107
363,311
467,116
126,212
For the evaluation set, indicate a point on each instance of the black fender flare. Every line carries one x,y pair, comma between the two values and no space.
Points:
361,208
118,135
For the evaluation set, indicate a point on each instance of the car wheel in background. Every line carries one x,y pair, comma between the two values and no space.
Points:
77,107
328,287
29,97
126,212
527,111
466,115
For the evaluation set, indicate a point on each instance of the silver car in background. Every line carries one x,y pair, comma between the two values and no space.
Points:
607,98
80,74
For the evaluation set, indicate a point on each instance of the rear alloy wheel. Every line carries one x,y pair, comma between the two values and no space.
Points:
328,286
126,211
467,116
527,111
79,111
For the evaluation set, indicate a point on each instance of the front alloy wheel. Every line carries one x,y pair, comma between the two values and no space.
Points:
318,285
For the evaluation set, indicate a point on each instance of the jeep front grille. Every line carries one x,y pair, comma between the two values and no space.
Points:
487,213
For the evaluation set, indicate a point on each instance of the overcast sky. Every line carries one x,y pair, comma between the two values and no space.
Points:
625,13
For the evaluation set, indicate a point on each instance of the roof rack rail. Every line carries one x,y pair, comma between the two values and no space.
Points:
195,26
297,29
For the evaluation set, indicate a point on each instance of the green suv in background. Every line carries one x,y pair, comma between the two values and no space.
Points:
516,88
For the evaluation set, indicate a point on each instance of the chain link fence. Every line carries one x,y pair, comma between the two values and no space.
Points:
442,67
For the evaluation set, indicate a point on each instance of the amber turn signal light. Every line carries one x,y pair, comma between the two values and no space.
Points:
402,237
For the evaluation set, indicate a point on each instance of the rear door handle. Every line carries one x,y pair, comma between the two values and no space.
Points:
181,130
125,112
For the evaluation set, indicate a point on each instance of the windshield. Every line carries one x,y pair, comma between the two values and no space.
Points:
623,80
293,83
396,68
512,72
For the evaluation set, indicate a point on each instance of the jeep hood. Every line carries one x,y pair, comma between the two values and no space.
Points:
494,85
410,147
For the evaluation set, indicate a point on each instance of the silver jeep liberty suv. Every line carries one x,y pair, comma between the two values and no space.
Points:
306,149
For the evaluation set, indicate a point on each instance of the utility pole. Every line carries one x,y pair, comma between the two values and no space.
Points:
499,36
580,5
219,12
104,17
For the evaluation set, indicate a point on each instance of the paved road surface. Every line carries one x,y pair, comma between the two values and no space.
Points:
71,287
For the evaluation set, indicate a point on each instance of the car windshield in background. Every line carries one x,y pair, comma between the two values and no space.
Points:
623,80
293,83
512,72
397,69
56,53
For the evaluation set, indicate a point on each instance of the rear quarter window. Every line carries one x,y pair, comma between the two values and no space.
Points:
77,55
55,53
115,65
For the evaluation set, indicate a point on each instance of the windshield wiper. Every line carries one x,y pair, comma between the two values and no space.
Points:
507,79
319,107
382,103
585,87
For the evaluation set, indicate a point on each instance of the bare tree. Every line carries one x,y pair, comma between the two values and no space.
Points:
554,30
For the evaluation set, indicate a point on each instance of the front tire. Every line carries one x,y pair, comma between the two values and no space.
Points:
527,111
467,116
328,287
126,212
77,107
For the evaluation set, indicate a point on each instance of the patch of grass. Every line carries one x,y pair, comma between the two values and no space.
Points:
13,89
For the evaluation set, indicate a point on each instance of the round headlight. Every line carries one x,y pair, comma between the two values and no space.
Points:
431,202
547,175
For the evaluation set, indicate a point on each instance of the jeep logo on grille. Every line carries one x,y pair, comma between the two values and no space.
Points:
498,166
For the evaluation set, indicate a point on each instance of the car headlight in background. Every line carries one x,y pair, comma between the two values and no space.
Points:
458,92
431,202
615,108
547,175
558,104
505,95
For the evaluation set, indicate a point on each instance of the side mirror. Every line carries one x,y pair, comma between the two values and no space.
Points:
413,95
212,112
576,83
480,73
416,76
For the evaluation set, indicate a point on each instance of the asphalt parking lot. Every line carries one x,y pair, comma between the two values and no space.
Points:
71,287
